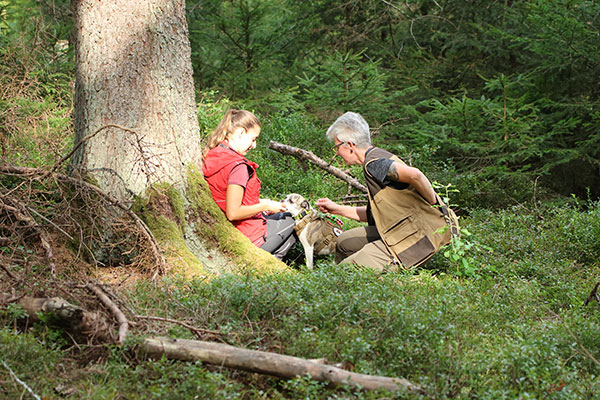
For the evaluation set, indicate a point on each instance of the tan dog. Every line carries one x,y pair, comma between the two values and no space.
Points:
317,234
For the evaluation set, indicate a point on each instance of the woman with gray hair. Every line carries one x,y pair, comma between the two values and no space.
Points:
407,220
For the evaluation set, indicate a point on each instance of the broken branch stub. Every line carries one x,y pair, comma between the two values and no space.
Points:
73,318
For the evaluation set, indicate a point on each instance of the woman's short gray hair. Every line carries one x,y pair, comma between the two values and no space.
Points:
350,127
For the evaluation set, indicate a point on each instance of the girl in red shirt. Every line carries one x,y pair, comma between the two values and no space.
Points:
235,186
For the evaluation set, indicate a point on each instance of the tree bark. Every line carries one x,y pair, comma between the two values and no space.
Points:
134,85
75,319
302,154
268,363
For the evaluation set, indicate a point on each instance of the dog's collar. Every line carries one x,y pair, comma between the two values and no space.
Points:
303,219
302,214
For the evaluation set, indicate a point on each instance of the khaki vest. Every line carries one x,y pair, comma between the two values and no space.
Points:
411,228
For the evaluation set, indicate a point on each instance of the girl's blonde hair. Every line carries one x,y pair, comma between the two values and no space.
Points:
232,120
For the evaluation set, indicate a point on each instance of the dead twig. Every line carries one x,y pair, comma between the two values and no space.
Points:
5,299
9,272
32,173
534,199
196,331
140,224
51,223
20,382
583,349
359,200
116,312
22,215
593,295
80,143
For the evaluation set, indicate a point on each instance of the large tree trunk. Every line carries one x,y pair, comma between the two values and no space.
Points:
136,125
134,94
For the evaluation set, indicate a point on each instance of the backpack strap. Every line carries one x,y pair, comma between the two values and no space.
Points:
330,232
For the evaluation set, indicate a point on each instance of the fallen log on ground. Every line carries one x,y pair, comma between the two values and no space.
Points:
267,363
71,317
303,155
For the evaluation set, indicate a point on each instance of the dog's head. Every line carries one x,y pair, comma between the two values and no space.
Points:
295,204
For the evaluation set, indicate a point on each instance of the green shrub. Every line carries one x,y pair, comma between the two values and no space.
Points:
36,80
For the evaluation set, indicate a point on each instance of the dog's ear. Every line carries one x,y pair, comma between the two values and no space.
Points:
305,205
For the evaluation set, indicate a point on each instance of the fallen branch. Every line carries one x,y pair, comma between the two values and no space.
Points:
9,272
72,317
51,223
20,382
268,363
21,214
118,314
593,295
583,349
303,155
359,200
196,331
4,299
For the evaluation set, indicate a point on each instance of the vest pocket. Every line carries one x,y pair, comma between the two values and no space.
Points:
418,253
399,231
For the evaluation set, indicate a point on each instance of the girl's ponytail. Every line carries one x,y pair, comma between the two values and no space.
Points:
233,119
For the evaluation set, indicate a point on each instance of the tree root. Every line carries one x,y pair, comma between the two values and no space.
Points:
21,213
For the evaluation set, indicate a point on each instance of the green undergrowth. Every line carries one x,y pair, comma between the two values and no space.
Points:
517,329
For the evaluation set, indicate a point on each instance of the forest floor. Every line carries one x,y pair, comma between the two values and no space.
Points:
521,324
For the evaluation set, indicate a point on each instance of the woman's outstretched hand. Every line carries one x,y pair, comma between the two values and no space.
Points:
272,206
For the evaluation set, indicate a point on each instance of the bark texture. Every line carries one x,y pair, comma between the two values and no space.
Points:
134,94
268,363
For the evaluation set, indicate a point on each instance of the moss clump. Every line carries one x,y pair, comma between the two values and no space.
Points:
196,236
176,251
176,201
164,213
212,225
